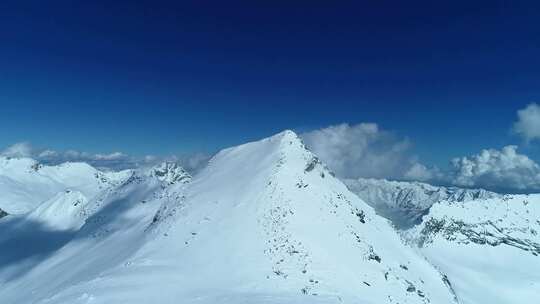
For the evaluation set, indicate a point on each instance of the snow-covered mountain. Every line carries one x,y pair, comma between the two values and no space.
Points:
490,249
171,173
25,183
404,203
264,222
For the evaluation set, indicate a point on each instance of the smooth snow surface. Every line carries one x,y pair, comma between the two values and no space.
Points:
265,222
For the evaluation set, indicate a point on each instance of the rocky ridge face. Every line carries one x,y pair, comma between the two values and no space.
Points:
170,173
491,245
405,203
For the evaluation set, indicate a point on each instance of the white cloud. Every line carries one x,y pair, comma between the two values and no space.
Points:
351,151
22,149
419,172
72,154
195,162
150,158
111,156
48,154
364,150
110,161
502,170
528,123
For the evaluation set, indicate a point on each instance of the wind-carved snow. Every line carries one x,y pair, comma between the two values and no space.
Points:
265,222
490,249
405,203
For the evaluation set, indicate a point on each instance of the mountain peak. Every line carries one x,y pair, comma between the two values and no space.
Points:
287,134
263,220
276,215
171,173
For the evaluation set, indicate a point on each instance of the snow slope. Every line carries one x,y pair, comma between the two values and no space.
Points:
404,203
71,239
63,211
24,183
265,222
489,249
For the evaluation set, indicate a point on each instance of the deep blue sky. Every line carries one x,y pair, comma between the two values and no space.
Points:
175,77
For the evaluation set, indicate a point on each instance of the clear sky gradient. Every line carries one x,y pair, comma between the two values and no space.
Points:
182,76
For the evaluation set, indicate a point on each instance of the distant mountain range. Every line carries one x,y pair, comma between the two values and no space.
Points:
405,203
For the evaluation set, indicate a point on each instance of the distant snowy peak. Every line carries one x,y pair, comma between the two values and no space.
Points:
68,172
170,173
404,203
13,164
25,183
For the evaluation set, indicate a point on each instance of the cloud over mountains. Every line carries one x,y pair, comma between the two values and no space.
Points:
111,161
365,150
360,150
503,169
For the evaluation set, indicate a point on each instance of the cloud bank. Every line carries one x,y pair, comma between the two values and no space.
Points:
364,150
360,150
103,161
503,170
22,149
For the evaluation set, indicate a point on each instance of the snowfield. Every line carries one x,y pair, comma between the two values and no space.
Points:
264,222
